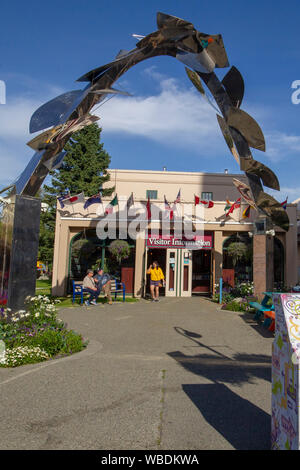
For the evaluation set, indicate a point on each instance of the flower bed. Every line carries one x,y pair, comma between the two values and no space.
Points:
237,305
35,334
235,298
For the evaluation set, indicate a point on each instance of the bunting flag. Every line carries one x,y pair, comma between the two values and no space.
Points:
148,209
168,208
204,202
110,207
62,197
246,212
235,205
178,198
74,199
130,201
96,199
245,192
228,205
284,203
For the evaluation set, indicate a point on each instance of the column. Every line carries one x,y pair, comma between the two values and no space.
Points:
291,249
61,258
139,266
263,264
218,257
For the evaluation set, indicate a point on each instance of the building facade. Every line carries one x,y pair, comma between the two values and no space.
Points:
192,245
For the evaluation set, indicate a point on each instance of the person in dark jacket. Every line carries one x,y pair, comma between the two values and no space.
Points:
103,282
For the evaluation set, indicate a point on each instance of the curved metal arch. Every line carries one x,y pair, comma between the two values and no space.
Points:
203,53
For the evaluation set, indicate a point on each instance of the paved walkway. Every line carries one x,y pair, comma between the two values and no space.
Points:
178,374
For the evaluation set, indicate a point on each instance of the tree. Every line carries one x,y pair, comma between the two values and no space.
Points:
84,169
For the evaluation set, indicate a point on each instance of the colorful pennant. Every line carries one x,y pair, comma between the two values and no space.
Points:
110,207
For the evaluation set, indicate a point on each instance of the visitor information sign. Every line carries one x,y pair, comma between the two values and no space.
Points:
199,242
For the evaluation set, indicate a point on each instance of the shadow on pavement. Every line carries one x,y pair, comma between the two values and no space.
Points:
242,368
242,424
256,325
216,367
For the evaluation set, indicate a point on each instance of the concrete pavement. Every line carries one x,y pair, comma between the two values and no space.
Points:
178,374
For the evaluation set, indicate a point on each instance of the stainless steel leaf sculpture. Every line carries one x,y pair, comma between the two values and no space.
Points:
200,52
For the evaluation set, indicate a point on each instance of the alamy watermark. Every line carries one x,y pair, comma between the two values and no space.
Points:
2,92
135,223
296,94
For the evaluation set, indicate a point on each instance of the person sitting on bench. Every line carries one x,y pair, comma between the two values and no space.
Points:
103,282
91,287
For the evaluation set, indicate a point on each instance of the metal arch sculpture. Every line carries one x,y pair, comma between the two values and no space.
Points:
202,53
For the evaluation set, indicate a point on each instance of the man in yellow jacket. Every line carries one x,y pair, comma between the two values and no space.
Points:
157,279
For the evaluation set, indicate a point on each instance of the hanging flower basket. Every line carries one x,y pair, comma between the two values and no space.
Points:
119,250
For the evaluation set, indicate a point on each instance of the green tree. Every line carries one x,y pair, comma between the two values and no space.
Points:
84,169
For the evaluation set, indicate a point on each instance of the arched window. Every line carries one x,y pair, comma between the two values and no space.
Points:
238,257
87,251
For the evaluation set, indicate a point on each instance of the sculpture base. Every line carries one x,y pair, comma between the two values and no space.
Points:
18,250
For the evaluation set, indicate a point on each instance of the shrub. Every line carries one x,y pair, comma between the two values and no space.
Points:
73,342
35,335
236,306
23,355
49,340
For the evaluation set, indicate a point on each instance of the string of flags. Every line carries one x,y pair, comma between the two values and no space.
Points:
246,212
284,203
66,199
203,202
96,199
235,205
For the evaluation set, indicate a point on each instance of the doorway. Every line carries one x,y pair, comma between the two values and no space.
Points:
201,273
158,255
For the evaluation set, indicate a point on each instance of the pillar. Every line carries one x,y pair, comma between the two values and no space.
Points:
263,264
139,266
218,257
291,249
60,259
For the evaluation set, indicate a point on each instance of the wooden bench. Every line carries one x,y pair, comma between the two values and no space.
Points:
79,290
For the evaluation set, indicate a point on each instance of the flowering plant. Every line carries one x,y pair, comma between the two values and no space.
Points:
119,249
36,334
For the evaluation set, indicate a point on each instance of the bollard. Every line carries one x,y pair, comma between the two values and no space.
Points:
220,289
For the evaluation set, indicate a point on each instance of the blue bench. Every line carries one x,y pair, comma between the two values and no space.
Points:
79,290
262,307
116,287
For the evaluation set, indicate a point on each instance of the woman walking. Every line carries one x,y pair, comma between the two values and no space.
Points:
157,279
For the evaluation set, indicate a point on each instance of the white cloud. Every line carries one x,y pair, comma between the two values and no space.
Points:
291,193
280,144
175,117
14,129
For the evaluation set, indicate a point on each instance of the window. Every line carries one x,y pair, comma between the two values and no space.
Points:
207,196
151,194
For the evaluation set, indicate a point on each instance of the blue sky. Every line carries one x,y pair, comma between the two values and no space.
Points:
44,48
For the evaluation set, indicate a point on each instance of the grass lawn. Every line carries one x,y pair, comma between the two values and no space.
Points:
44,288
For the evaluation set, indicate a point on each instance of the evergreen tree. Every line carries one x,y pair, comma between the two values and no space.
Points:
84,169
